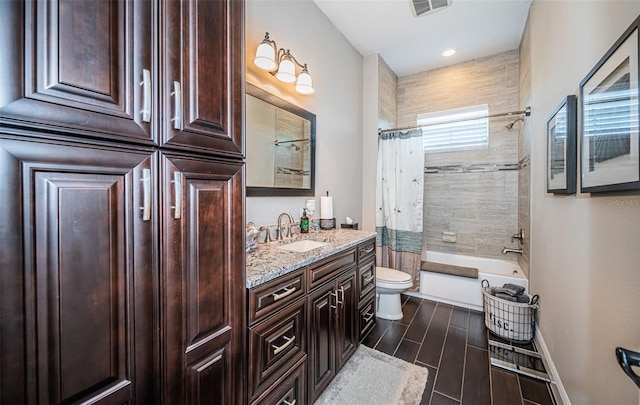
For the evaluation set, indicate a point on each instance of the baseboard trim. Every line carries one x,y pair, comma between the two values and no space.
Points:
559,393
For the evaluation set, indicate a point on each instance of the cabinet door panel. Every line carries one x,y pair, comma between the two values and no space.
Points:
321,342
347,320
202,275
88,292
206,380
204,60
78,66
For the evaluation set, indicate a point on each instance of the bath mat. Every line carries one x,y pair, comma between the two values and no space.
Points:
461,271
371,377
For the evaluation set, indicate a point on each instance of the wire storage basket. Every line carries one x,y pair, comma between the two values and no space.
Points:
510,320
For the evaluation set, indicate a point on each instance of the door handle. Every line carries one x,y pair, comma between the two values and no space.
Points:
333,294
626,359
146,194
146,95
341,301
177,195
177,105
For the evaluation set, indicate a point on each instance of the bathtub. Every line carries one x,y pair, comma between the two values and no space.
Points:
463,291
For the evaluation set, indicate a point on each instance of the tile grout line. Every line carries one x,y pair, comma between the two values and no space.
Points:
444,342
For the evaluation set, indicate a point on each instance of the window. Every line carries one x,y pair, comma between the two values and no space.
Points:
462,128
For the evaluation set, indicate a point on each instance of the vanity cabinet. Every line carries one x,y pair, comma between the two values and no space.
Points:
277,331
366,288
304,326
122,202
333,334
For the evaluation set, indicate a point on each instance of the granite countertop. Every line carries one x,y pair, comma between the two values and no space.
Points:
268,262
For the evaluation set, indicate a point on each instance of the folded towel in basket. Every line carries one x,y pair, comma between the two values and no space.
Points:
522,298
513,289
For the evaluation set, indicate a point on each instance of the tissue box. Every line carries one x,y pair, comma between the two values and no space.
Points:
350,226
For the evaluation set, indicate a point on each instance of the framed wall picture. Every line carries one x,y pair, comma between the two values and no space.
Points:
562,148
610,151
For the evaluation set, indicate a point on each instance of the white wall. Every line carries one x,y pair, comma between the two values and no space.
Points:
336,68
370,100
585,251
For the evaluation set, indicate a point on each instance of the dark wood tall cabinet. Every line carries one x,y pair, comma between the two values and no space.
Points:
122,202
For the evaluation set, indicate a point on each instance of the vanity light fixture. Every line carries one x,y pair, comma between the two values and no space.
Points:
283,65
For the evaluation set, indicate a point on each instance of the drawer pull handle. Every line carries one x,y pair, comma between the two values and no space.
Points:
368,317
278,349
286,293
367,251
285,402
368,279
333,294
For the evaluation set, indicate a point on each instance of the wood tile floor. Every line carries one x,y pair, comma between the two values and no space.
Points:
452,343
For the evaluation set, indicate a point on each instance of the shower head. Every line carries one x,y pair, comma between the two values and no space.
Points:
510,125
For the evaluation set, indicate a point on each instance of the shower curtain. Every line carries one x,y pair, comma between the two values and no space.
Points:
399,191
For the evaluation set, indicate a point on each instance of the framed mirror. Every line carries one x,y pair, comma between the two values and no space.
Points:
280,146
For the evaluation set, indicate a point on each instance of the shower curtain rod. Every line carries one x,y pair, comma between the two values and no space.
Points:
526,112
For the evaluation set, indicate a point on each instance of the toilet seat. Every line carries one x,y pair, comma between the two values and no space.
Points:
391,276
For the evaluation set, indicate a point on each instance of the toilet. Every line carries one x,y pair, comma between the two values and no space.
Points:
390,284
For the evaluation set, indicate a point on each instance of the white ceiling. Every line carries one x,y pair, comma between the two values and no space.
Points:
408,44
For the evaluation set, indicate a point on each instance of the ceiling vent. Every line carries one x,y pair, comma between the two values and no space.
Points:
423,7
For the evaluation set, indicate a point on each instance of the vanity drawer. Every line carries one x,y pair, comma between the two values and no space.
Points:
367,315
289,389
268,298
328,268
366,277
275,344
366,250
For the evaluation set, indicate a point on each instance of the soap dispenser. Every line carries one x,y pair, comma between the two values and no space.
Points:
304,222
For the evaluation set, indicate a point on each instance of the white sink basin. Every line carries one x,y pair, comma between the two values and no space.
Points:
303,245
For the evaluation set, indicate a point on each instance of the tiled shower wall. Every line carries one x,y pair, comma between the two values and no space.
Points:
481,208
524,150
387,95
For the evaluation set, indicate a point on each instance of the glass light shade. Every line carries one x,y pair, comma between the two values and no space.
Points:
286,71
304,85
265,57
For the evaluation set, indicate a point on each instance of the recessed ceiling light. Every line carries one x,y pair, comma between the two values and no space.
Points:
449,52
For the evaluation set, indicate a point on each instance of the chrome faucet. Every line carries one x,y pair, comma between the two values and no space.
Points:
280,232
506,250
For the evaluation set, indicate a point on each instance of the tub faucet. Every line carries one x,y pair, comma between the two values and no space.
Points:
280,231
506,250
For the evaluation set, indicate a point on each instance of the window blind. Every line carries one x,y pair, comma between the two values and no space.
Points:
462,128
